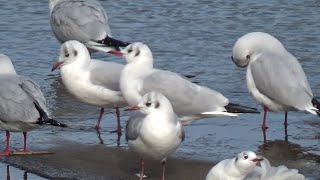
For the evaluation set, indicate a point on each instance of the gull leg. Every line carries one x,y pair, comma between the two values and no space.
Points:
118,130
286,120
264,124
163,167
7,151
142,168
24,150
99,119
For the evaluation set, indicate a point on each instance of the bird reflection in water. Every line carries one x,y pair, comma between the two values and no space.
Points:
25,174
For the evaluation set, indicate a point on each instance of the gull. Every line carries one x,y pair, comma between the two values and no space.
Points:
275,77
156,132
91,81
85,21
236,168
268,172
22,104
189,101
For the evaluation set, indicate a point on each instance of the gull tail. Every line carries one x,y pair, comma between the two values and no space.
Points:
108,41
316,104
45,119
236,108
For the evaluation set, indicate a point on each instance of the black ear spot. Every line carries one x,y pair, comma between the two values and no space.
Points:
137,54
75,53
157,105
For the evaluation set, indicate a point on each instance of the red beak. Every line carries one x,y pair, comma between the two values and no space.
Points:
257,160
56,65
117,53
133,108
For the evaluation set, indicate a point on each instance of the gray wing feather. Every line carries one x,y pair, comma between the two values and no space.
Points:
133,126
282,79
80,20
106,74
34,91
16,104
186,97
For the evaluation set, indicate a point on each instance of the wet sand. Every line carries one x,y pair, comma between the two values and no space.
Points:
78,161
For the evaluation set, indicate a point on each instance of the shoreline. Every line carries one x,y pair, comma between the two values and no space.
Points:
77,161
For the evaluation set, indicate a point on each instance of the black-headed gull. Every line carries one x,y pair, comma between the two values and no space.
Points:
82,20
267,172
275,77
190,101
91,81
156,132
236,168
22,104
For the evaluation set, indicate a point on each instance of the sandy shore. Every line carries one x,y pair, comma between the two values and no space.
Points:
78,161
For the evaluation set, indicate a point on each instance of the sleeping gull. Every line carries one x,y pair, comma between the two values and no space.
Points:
236,168
189,101
268,172
22,104
91,81
82,20
275,78
156,132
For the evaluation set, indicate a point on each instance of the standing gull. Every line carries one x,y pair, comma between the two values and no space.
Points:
236,168
157,132
275,78
22,104
189,101
82,20
91,81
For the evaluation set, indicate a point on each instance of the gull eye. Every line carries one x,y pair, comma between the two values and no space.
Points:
67,55
148,104
248,57
245,156
130,50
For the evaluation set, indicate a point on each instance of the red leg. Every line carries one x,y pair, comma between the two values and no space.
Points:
163,167
264,124
142,168
7,151
24,143
264,135
118,120
99,136
99,119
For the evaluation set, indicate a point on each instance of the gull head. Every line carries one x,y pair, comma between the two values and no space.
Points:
137,52
70,52
6,66
252,44
153,101
246,161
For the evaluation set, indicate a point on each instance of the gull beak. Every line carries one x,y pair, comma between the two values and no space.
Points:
56,65
257,159
117,53
133,108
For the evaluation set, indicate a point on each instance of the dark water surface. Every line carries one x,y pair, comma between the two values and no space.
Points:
188,37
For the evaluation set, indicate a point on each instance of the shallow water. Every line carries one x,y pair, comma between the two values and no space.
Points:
188,37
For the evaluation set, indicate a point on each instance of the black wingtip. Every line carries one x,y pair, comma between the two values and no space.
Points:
55,123
236,108
316,104
108,41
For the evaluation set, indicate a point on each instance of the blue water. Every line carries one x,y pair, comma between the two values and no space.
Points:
187,37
